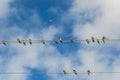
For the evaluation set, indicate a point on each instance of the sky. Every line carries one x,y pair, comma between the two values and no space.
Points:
50,19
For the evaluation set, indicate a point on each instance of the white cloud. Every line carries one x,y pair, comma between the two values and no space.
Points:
4,7
106,22
48,32
38,56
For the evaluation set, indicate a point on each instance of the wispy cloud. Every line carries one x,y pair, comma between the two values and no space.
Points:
105,23
4,7
99,18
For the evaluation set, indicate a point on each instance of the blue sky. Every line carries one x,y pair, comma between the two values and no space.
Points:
50,19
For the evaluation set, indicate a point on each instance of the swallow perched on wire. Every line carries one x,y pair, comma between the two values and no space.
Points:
19,41
75,72
71,39
93,39
60,39
87,41
4,42
98,41
24,42
104,38
88,72
43,42
30,41
64,72
56,41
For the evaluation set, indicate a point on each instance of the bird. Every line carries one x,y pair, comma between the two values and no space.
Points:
104,38
56,41
88,72
43,42
60,39
64,72
24,42
75,72
98,41
87,41
19,41
93,39
71,39
4,42
30,41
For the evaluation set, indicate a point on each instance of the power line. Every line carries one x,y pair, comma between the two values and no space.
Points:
74,72
57,41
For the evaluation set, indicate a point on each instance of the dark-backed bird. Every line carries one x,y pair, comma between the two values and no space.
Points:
4,42
98,41
43,42
30,41
75,72
71,39
64,72
19,41
93,39
88,72
60,39
87,41
24,42
56,42
103,39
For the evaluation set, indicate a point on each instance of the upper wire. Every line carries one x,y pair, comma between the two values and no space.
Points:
60,40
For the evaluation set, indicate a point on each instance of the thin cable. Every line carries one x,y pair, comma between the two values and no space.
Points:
17,73
55,41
